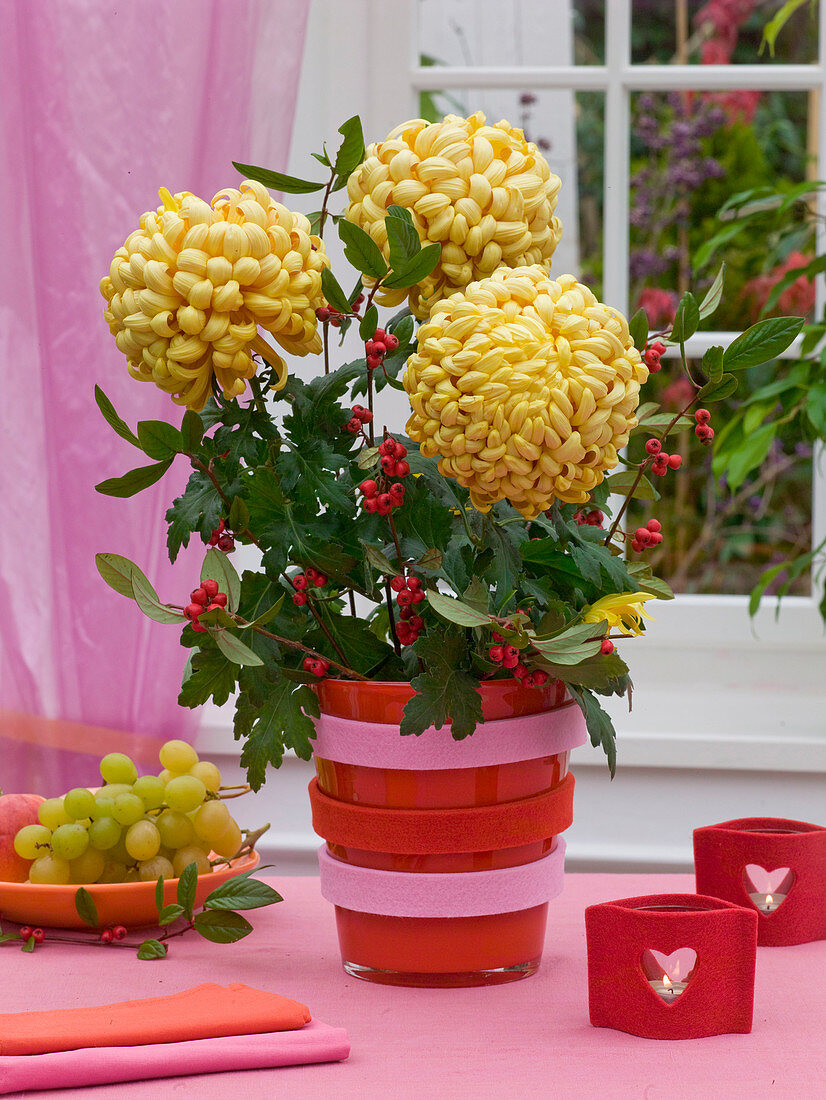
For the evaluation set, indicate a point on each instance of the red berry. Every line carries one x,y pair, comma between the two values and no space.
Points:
528,681
497,637
391,342
595,519
221,599
199,595
379,334
299,599
496,653
311,573
106,935
418,596
520,670
658,346
373,362
607,646
388,464
417,622
335,320
213,540
193,610
400,451
25,932
637,547
414,584
226,543
652,360
581,518
702,416
511,651
320,579
308,664
323,313
369,488
371,504
378,348
119,932
211,588
540,677
398,584
199,628
654,525
299,582
660,468
643,535
402,469
387,446
38,935
353,426
405,612
385,501
656,538
675,462
404,598
214,607
653,446
708,436
384,509
510,662
397,489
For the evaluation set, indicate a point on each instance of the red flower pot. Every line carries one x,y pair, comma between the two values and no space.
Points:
441,855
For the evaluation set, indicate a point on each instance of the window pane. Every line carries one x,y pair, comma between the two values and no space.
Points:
718,32
510,32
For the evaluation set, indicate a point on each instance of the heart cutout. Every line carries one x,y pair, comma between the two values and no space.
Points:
679,966
767,889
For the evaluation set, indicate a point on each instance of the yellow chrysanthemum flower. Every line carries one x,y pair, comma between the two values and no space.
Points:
623,611
526,387
483,192
187,290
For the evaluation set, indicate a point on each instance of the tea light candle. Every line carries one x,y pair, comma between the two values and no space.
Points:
767,903
668,990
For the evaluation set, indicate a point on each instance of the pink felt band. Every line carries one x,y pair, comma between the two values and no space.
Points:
426,832
380,745
462,894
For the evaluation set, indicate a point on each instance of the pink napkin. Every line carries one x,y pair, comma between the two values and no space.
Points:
315,1042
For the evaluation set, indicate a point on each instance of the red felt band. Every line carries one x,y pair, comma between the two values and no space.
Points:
722,852
719,996
427,832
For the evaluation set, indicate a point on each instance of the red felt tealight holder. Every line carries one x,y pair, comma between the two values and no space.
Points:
770,865
671,966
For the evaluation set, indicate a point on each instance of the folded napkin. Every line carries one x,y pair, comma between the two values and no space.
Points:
204,1012
315,1042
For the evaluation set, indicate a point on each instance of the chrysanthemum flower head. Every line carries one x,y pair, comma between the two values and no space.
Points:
188,289
526,388
623,611
483,192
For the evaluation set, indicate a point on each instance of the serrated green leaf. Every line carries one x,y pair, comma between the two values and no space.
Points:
369,324
599,725
713,295
222,926
283,720
455,611
159,440
638,328
118,572
152,949
362,252
86,908
113,420
135,481
169,913
333,292
414,270
277,181
187,883
217,567
444,692
234,649
213,676
761,343
242,892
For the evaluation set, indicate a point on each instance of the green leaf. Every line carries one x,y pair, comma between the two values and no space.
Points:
455,611
150,605
159,439
304,471
414,270
284,719
816,407
86,909
28,946
242,892
713,295
192,431
748,456
118,572
571,654
726,234
777,22
7,937
761,343
718,391
268,616
362,252
369,324
646,581
217,567
621,483
713,363
152,949
351,151
686,319
222,926
816,267
169,914
367,457
199,508
431,560
277,181
112,418
599,725
213,676
379,561
638,327
402,239
186,888
218,617
239,515
234,649
159,892
135,481
355,638
333,292
444,692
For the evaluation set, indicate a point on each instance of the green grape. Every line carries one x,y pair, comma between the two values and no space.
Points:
152,869
184,793
166,775
104,833
69,841
113,872
79,803
128,809
112,790
50,871
229,843
185,856
28,841
208,773
150,790
118,853
211,820
178,756
132,875
52,814
115,767
143,840
103,807
176,829
87,868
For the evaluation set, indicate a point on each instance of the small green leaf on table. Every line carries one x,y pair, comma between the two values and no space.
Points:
186,888
86,909
242,892
222,926
170,913
152,949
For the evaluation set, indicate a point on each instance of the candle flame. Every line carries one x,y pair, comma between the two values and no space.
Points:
769,899
666,981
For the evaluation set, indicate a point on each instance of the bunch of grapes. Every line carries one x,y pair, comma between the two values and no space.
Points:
134,828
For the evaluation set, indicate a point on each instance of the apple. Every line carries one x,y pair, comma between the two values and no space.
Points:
16,810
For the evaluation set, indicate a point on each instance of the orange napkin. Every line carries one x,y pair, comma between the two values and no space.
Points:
207,1011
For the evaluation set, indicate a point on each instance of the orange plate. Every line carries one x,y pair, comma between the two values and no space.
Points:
131,904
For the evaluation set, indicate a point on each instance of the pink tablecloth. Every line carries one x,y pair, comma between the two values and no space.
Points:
528,1039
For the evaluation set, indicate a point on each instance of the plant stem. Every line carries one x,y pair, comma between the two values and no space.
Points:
388,591
352,602
326,348
396,542
327,191
321,624
370,405
310,652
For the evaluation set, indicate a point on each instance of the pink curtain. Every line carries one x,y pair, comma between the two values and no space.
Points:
101,103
